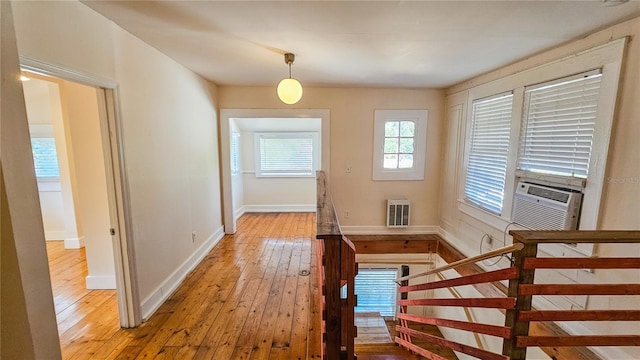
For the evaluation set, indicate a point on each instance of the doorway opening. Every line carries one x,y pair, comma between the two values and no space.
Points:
269,159
77,162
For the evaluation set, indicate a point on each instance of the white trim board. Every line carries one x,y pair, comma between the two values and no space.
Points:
55,235
74,243
106,282
48,69
239,212
152,302
280,208
375,230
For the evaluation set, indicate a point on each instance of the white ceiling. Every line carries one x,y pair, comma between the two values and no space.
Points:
357,43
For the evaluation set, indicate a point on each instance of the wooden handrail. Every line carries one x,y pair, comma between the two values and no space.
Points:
338,268
473,259
523,288
326,219
517,304
501,303
575,237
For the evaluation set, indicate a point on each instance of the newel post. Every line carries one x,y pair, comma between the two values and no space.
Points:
333,303
523,302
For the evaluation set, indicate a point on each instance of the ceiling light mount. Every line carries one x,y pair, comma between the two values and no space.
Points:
289,58
289,89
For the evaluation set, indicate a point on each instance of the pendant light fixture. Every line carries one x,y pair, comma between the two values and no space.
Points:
289,89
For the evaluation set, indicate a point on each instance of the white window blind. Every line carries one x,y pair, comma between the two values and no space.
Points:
376,290
558,125
488,152
286,154
235,153
45,159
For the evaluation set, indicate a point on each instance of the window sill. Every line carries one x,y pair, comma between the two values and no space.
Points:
397,175
495,221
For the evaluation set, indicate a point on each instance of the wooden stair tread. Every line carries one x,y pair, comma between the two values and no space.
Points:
389,351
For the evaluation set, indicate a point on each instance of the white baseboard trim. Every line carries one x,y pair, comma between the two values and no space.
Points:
74,243
447,236
51,235
162,292
280,208
378,230
105,282
239,212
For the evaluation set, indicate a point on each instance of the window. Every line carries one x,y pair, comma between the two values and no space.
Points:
235,153
488,152
399,144
558,124
45,159
376,290
291,154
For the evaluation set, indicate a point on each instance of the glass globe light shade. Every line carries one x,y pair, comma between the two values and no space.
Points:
289,91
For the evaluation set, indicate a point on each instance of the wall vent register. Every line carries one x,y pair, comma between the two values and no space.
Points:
398,213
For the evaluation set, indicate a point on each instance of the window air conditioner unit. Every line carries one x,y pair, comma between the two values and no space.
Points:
398,213
540,207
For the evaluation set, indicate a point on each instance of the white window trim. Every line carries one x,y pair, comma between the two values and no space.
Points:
607,57
293,134
420,144
236,167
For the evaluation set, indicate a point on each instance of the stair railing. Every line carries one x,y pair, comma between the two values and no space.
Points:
517,305
339,269
524,288
407,335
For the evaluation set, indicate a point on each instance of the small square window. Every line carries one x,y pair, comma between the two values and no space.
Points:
400,143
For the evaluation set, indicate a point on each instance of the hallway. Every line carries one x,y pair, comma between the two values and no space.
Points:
246,300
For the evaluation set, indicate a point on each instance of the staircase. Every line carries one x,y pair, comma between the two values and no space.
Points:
375,343
388,351
523,327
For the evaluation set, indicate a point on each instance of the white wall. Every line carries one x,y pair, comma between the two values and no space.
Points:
171,154
81,117
169,135
28,327
273,194
42,99
620,203
352,118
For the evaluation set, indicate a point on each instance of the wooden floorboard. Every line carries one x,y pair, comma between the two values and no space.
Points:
247,299
86,318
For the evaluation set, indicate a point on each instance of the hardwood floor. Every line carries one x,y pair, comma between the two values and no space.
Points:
246,300
84,316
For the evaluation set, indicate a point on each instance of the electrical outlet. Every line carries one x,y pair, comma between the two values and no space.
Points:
193,237
347,214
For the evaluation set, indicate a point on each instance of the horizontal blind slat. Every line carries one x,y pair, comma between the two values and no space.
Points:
488,152
558,125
